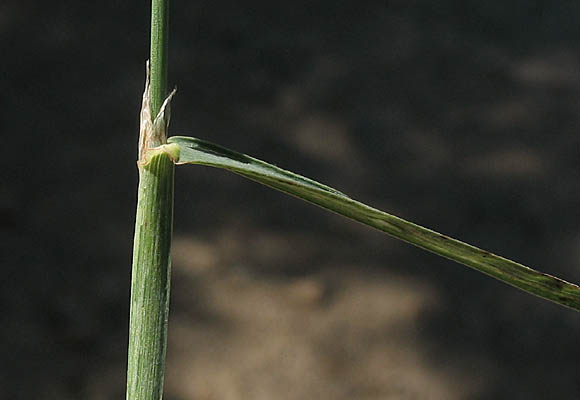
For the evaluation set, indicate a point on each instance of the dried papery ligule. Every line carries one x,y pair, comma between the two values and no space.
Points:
152,131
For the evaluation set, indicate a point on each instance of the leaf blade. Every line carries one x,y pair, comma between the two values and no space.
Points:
201,152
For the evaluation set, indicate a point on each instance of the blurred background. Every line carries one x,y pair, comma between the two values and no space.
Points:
460,115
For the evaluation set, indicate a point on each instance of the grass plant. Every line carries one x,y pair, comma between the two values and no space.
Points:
153,228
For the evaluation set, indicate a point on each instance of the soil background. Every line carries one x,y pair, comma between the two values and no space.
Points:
460,115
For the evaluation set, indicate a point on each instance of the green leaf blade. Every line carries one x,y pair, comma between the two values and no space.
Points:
197,151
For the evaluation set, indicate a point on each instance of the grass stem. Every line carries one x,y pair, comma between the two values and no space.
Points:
150,281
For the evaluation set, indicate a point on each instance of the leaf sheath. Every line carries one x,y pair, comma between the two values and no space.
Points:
150,279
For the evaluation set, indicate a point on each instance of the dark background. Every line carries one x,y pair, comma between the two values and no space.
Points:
461,115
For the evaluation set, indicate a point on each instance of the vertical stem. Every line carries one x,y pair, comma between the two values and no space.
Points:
150,281
159,50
